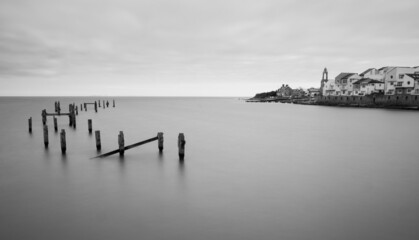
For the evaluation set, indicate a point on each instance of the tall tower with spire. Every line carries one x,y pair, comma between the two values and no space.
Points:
324,80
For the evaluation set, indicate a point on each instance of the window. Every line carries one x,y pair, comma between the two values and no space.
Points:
399,84
391,76
401,76
408,82
391,83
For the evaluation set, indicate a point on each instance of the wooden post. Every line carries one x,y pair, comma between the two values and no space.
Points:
30,124
95,106
89,122
103,104
59,108
181,145
70,118
77,110
46,136
63,142
114,103
160,141
44,117
55,124
85,107
74,118
98,102
121,143
55,106
81,107
107,103
98,143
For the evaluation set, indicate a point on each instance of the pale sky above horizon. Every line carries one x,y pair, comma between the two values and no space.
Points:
194,47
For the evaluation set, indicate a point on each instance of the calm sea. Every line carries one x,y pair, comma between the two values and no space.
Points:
251,171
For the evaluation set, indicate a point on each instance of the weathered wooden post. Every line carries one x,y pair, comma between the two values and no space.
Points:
63,142
85,107
74,119
44,117
160,141
30,124
70,117
107,103
89,122
103,104
55,106
121,143
46,136
81,107
77,110
55,124
98,143
98,102
95,106
114,103
181,145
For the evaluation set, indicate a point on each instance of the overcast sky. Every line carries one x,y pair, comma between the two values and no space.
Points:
196,48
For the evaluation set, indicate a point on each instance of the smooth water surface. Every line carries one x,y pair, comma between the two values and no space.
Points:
251,171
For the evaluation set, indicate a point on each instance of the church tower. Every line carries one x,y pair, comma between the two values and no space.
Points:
324,81
324,77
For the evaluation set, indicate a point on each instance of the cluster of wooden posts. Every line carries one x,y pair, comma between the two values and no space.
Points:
73,112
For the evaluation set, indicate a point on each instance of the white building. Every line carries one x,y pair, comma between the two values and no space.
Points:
366,86
396,82
413,77
329,88
344,83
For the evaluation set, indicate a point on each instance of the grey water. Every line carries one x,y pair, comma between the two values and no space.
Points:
251,171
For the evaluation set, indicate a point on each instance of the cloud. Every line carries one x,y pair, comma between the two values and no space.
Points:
199,42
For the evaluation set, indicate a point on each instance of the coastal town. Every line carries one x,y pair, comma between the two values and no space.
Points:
386,86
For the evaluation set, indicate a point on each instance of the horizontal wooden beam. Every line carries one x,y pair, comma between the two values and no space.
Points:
56,114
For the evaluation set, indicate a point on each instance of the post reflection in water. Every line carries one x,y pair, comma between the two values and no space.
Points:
46,154
121,161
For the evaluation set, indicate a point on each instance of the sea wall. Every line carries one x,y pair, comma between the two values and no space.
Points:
402,101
